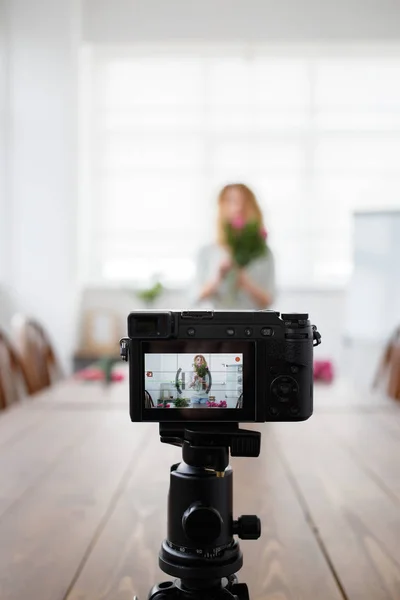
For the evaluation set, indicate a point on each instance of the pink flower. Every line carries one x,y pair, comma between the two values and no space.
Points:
238,223
264,233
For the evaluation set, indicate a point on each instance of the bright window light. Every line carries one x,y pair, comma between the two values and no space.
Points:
316,136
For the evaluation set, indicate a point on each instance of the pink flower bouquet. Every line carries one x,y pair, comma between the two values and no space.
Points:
212,404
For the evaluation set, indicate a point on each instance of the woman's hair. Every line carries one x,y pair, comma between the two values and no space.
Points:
203,360
252,208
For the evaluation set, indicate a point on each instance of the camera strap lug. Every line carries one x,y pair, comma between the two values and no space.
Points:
124,348
316,336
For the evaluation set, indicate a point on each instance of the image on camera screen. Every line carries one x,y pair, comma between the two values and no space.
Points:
193,380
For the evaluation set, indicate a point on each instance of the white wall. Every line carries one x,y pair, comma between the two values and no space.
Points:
6,304
373,307
126,21
42,165
3,136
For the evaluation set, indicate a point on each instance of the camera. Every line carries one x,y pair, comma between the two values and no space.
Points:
220,366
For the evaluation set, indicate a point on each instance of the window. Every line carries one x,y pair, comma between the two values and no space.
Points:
315,134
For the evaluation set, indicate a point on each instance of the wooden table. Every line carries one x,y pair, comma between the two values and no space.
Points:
83,499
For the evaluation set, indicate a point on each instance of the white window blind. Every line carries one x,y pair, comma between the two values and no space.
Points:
315,135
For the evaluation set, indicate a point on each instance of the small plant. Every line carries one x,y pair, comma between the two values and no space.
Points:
181,403
150,295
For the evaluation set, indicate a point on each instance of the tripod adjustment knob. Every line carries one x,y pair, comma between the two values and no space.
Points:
202,524
247,527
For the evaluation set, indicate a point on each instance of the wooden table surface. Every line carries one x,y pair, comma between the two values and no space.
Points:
83,499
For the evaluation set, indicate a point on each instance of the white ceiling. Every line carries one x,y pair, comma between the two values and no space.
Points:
127,21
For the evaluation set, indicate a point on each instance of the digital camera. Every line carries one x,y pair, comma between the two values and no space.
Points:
220,366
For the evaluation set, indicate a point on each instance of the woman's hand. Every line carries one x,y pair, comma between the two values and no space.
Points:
259,295
225,266
211,288
243,280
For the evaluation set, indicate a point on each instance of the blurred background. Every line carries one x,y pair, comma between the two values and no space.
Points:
120,123
121,120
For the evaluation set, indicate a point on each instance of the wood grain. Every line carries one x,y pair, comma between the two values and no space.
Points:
83,499
33,454
374,444
285,564
74,394
16,422
357,522
45,536
345,396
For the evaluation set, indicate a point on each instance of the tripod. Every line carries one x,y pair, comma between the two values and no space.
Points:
200,550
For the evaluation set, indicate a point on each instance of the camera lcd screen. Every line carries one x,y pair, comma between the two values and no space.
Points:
197,380
194,380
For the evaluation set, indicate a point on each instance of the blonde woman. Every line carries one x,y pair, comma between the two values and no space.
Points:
255,283
199,381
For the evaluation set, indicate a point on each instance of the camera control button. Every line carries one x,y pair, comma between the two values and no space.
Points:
285,388
266,331
248,331
230,331
274,411
273,371
294,369
191,331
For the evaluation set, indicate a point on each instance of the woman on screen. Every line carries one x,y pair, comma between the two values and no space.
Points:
237,271
199,382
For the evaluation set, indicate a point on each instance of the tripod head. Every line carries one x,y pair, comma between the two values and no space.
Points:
200,550
208,445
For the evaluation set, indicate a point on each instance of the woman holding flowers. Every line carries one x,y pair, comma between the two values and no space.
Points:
199,381
237,272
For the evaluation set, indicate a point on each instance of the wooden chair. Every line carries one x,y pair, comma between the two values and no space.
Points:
36,354
148,400
239,403
388,374
12,379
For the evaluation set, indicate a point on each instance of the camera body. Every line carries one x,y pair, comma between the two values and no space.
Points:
229,366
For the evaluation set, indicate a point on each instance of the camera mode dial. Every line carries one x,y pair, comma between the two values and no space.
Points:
300,318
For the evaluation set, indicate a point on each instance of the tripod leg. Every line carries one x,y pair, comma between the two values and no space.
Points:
240,590
164,591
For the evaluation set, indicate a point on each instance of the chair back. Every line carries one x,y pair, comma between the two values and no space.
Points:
388,374
148,400
36,354
12,380
239,403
